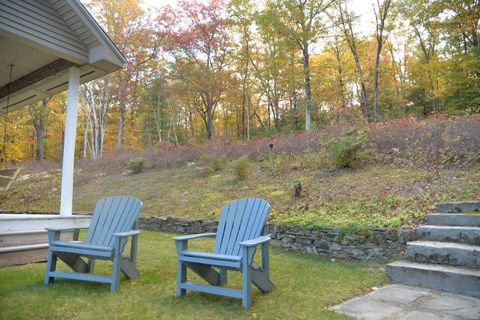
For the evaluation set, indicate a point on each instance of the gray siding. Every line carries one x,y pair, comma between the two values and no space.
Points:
75,23
37,20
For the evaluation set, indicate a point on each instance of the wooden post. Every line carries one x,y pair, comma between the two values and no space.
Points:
69,142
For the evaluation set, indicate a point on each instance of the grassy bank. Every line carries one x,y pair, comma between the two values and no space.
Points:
401,169
374,195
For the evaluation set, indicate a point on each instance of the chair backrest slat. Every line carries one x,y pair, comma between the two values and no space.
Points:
110,220
221,227
240,220
112,215
97,220
237,223
249,223
230,217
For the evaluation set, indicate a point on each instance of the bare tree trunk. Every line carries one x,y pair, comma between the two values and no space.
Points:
395,68
98,102
380,18
308,89
210,130
121,118
249,102
190,122
158,118
341,82
85,136
38,122
347,29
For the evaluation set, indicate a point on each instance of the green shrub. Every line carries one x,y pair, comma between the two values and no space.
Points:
282,163
136,165
241,167
214,163
344,151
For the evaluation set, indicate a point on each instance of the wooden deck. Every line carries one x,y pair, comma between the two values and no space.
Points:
23,238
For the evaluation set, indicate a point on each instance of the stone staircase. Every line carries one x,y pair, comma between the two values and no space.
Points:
446,255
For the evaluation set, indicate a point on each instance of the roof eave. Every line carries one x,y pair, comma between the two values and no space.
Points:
117,58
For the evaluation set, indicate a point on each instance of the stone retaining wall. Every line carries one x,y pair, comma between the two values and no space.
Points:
362,244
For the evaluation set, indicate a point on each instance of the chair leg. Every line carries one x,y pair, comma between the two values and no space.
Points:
116,266
181,278
91,265
115,274
246,287
223,277
246,279
51,266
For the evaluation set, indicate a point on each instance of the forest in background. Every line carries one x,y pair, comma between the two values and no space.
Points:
239,69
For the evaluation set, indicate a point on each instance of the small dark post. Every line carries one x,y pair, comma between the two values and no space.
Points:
270,146
297,189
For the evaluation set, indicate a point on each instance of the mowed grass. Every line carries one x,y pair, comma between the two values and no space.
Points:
306,287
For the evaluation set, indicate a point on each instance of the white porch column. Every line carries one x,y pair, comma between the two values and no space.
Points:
69,143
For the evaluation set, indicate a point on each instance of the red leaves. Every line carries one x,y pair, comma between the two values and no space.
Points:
194,27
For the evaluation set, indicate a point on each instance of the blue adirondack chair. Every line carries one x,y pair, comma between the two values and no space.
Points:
112,224
241,229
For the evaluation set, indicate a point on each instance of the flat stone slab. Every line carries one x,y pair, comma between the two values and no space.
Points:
454,219
461,234
367,309
399,294
450,253
400,302
455,305
458,207
420,315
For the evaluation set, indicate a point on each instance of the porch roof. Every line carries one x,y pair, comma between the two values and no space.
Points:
42,39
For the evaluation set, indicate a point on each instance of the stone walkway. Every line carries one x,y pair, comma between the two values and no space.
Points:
400,302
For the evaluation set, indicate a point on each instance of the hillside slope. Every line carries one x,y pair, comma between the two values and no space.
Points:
375,195
403,169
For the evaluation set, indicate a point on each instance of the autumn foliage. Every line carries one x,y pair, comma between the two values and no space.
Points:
235,72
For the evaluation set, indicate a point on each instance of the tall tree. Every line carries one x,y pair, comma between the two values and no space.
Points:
381,11
242,13
333,75
129,26
461,26
271,64
423,18
195,34
303,23
346,20
96,95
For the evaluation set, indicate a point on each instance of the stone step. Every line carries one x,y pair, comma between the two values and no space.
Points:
16,255
459,206
435,276
469,235
449,253
454,219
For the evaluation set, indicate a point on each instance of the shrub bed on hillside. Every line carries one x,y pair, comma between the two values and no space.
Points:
434,142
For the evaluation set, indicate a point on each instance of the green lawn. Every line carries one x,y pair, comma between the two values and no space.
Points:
306,287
